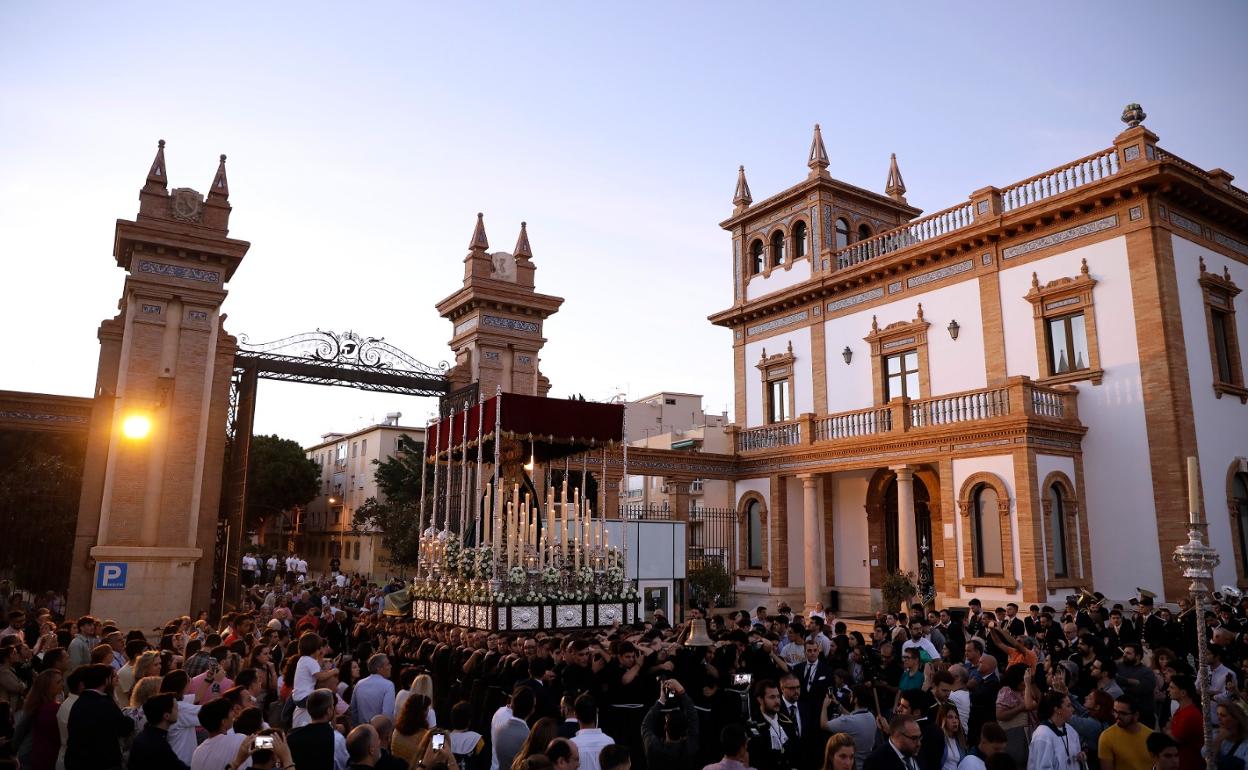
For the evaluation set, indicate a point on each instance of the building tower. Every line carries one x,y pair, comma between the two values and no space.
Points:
497,319
151,484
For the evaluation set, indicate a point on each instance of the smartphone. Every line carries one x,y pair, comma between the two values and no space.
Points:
671,694
439,740
742,680
263,742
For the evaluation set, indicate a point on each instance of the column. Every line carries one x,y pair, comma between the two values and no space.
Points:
812,551
907,539
678,498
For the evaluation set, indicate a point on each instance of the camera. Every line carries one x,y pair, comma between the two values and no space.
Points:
671,695
742,680
439,740
263,742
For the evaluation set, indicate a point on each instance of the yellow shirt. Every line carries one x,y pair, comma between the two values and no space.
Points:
1127,750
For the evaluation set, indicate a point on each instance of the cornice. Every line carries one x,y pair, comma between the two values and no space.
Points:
1155,177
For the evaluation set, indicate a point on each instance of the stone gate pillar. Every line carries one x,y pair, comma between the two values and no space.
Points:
152,482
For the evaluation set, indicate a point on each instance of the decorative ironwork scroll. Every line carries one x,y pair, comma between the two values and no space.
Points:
343,349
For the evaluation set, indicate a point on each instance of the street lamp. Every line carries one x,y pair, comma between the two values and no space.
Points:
1197,562
136,426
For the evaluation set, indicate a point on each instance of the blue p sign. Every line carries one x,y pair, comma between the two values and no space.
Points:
110,576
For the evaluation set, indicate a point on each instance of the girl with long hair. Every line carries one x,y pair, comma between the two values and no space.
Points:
954,736
541,734
838,754
1230,743
410,727
38,736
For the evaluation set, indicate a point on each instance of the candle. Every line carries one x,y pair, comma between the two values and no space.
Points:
510,535
550,525
1193,489
487,513
563,532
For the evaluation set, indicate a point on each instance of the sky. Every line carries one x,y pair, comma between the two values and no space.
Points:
363,139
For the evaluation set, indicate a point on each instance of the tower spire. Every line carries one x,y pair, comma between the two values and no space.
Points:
479,241
523,250
895,188
818,160
156,175
742,199
220,189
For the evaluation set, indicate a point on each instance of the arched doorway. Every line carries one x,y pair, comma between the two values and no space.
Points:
922,520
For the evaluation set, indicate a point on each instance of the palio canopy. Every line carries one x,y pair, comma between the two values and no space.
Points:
556,427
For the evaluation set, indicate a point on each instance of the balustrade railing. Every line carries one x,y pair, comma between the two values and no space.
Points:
1047,403
961,407
922,229
1018,398
865,423
1084,171
770,437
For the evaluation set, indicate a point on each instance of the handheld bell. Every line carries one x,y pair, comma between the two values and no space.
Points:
698,637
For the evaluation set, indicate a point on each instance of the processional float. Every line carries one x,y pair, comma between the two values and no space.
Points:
511,535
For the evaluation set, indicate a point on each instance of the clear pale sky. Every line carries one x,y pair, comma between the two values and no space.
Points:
363,138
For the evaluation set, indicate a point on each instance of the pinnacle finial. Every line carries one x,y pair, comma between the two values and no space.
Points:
220,189
479,242
1133,115
895,187
523,250
157,174
818,160
742,197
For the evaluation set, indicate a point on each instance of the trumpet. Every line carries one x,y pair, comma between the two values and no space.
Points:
1228,594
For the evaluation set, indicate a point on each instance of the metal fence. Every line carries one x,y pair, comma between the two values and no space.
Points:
711,548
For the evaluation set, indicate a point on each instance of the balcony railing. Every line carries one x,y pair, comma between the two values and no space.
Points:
1084,171
1019,397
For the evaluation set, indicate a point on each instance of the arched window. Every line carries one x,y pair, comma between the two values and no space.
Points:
842,233
1239,499
986,519
777,249
799,240
756,257
864,232
1057,525
754,535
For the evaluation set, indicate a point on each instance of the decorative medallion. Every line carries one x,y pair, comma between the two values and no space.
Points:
1131,153
523,618
609,614
986,259
1136,212
569,616
186,205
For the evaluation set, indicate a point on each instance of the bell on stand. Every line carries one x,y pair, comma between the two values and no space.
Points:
698,637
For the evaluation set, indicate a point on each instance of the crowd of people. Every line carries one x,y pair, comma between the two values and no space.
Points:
312,674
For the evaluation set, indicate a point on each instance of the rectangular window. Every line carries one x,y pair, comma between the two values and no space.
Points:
364,447
357,550
355,448
1068,344
901,375
669,401
1221,345
755,536
778,407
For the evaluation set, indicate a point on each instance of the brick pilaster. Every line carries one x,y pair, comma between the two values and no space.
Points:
1030,536
779,540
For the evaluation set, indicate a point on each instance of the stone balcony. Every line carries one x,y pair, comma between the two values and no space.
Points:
1018,400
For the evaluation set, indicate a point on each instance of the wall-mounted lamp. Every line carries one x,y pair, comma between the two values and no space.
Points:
847,354
136,426
953,328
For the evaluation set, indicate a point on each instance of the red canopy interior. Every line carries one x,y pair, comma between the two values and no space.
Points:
557,427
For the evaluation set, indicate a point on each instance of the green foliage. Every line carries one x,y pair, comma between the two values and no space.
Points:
709,584
279,477
40,480
397,513
898,589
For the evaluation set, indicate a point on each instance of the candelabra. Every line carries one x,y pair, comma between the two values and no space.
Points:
1198,561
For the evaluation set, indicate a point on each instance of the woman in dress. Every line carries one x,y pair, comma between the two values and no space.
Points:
1012,712
409,728
38,736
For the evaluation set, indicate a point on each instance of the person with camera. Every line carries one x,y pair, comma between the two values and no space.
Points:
856,721
773,744
669,731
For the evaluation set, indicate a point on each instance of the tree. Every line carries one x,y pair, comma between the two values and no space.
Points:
397,514
279,477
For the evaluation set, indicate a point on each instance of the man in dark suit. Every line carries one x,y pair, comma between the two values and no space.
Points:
776,745
901,748
96,723
814,675
804,712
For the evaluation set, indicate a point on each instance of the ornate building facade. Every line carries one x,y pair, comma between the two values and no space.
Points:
999,396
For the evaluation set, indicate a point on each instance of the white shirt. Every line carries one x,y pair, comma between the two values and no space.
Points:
962,699
218,751
971,762
925,645
774,728
305,677
62,721
589,742
496,722
182,732
1050,751
302,567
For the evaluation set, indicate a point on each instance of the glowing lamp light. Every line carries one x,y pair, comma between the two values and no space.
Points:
136,426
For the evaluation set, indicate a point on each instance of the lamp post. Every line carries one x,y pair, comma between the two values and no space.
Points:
1197,562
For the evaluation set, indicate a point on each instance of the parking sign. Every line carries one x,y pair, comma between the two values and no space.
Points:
110,576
